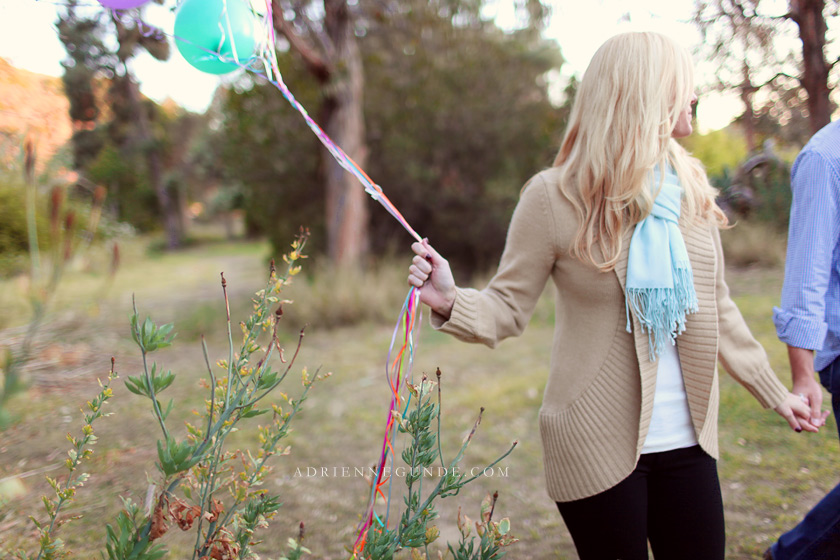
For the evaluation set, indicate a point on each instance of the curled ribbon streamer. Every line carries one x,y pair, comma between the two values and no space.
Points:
410,317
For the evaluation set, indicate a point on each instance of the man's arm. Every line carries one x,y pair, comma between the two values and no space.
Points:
800,321
804,382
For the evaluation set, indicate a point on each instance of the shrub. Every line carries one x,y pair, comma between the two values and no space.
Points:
14,240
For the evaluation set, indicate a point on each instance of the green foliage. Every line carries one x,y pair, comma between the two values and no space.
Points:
126,541
137,384
415,530
200,465
270,159
83,39
759,190
772,186
492,536
450,158
131,195
14,242
174,457
718,150
45,271
148,336
128,152
219,493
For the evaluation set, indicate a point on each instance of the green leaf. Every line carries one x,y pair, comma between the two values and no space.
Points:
136,385
250,412
163,381
267,380
165,459
168,408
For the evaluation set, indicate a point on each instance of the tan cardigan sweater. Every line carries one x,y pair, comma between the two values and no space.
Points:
599,396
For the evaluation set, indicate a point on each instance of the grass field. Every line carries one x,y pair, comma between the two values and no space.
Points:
770,475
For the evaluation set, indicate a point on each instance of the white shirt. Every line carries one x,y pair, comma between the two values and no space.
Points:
670,424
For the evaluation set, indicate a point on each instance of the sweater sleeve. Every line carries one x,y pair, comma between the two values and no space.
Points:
504,307
741,355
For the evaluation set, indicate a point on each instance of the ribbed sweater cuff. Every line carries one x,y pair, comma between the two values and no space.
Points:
462,320
767,388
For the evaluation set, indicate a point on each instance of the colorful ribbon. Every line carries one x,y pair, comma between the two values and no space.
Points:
399,363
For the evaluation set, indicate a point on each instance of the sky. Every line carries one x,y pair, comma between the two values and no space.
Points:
28,40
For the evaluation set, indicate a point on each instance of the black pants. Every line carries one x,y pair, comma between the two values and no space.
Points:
671,498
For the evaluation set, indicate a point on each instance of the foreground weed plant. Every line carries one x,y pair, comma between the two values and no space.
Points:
206,487
64,490
415,531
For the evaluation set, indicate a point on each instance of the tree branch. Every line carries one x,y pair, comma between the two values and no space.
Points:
326,46
317,65
777,75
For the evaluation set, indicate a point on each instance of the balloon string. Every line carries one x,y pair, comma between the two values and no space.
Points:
408,317
345,161
398,364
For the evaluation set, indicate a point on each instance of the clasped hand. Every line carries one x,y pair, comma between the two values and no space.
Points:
430,273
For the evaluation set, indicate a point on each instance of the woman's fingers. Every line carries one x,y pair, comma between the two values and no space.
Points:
787,413
416,276
420,249
797,413
422,264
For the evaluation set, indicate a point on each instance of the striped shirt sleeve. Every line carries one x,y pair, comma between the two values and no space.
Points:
814,229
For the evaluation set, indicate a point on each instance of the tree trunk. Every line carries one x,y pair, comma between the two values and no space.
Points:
339,71
808,15
346,204
169,207
746,92
145,140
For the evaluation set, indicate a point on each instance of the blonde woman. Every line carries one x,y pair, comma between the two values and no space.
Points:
626,226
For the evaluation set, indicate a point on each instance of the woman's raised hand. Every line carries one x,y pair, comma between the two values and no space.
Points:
430,273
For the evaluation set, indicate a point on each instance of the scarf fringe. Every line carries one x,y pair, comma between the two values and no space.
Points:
662,311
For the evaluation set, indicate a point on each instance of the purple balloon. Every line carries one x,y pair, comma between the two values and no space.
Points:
122,4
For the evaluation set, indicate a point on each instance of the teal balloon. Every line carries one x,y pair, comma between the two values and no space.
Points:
206,34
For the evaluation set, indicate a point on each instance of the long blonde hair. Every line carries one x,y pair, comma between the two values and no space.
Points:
620,127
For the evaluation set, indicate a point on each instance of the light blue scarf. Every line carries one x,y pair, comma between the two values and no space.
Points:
660,284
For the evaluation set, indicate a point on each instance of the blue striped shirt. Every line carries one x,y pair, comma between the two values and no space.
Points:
809,315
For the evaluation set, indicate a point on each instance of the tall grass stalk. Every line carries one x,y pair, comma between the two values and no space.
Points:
42,287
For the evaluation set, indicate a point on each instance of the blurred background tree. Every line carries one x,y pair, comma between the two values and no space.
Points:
448,112
323,35
457,117
87,59
774,55
124,145
779,59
